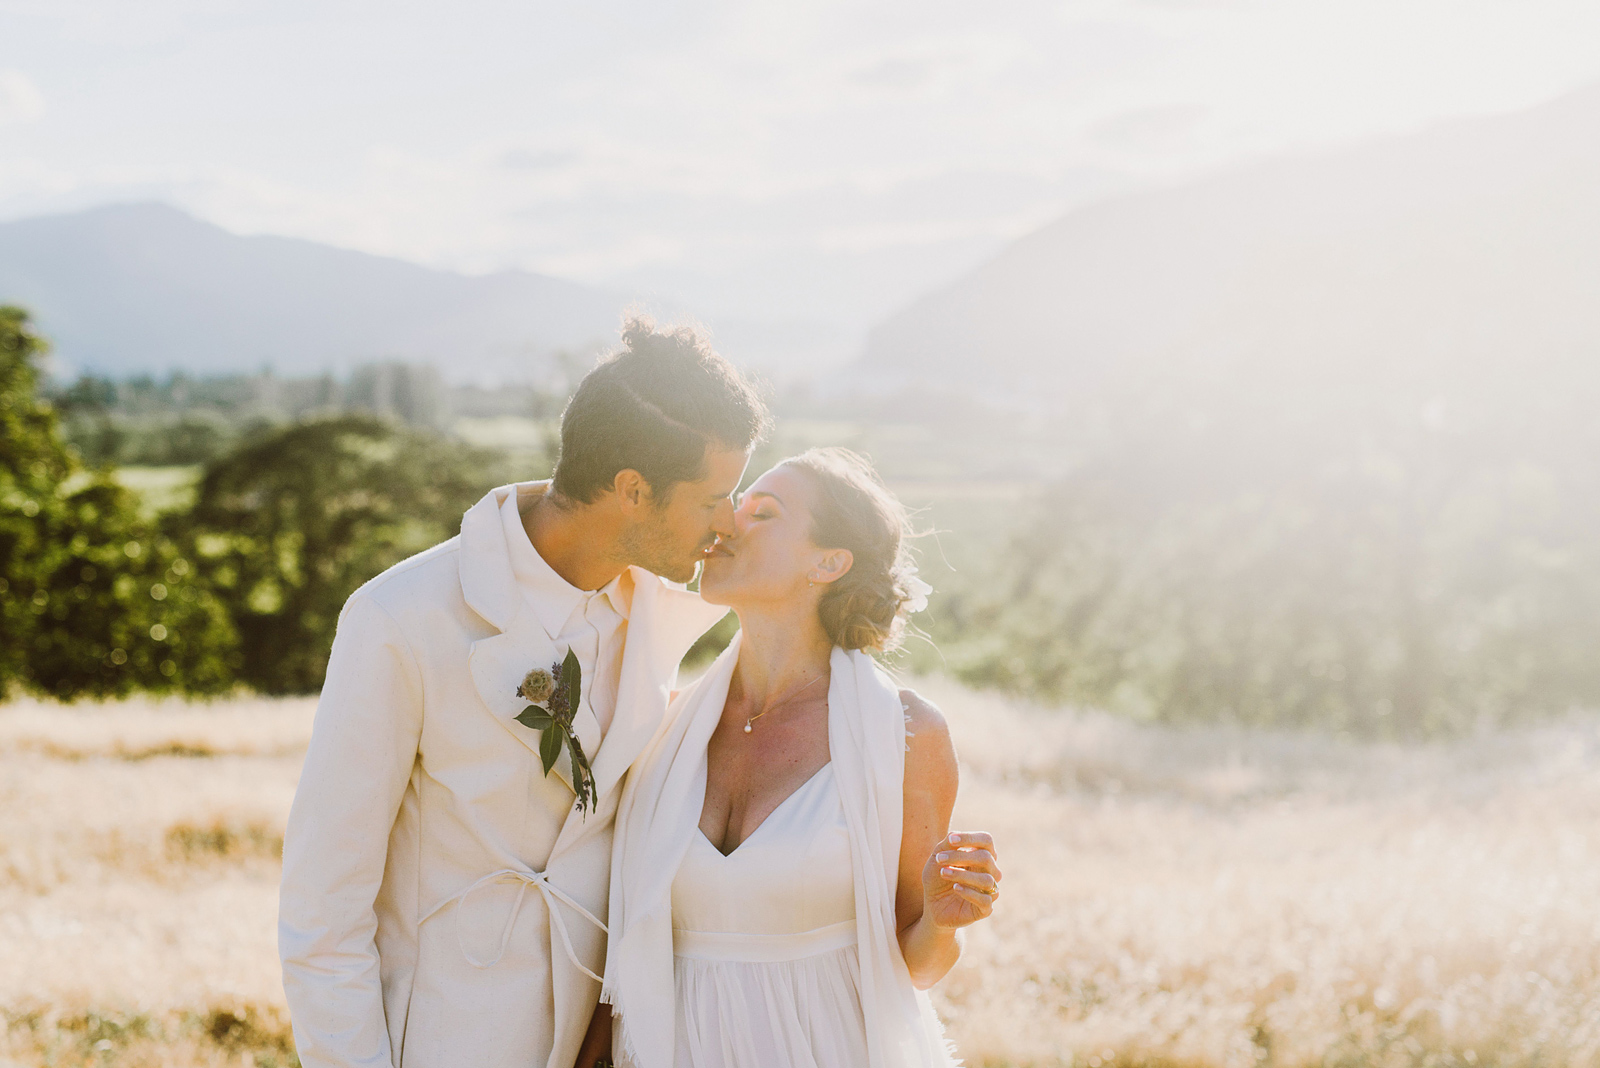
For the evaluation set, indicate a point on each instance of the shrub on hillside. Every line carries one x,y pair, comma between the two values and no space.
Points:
1386,580
94,601
288,525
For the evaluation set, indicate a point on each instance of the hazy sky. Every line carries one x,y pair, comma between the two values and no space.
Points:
819,161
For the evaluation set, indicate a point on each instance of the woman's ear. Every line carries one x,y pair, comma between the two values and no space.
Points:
832,565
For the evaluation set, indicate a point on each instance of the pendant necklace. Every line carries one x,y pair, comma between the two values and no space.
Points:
786,698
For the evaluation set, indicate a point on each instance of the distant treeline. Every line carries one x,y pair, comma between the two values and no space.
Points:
242,588
1356,554
186,419
1372,559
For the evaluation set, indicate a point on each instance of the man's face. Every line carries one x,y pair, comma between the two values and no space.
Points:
671,538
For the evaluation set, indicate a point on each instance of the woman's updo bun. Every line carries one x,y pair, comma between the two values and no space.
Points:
865,608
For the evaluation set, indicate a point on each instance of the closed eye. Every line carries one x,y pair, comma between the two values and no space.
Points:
759,499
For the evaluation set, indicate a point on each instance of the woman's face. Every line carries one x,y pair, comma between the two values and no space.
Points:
770,557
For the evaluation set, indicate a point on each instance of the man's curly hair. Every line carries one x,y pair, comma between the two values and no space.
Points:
654,407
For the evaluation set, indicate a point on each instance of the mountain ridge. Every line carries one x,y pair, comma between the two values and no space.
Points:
1466,244
145,287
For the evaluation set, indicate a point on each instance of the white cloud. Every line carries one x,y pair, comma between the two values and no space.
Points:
20,99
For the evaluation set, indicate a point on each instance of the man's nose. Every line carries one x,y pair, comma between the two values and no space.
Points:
722,521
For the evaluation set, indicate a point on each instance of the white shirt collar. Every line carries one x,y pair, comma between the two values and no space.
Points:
553,598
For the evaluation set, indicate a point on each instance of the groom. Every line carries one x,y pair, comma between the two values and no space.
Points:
442,895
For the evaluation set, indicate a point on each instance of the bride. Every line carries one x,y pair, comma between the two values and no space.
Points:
784,883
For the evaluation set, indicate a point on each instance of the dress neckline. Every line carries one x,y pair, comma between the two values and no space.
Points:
797,791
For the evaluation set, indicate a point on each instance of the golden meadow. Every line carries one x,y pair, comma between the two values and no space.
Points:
1206,898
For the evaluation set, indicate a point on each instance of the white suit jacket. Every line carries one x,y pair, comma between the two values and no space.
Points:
426,847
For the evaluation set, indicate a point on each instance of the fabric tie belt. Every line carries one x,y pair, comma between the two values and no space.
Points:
762,948
525,878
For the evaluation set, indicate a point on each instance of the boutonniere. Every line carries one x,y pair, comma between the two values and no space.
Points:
552,697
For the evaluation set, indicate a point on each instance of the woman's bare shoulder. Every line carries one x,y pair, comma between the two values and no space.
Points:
922,715
930,754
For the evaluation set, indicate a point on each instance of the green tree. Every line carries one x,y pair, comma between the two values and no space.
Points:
289,525
94,601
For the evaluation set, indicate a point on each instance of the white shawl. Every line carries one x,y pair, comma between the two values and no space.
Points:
656,820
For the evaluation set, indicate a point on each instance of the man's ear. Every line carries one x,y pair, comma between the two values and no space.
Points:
632,490
832,565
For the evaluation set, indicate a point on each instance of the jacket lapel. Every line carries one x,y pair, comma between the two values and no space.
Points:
663,623
664,620
487,582
499,662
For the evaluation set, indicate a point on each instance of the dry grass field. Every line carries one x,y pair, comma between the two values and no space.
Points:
1199,899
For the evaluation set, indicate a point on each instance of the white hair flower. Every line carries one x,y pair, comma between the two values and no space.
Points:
916,594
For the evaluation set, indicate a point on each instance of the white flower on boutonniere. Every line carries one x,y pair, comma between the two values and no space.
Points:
552,697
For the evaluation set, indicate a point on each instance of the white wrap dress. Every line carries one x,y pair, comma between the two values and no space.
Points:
749,960
765,967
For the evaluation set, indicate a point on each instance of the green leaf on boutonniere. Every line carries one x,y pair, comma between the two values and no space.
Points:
536,718
572,680
582,779
559,689
550,747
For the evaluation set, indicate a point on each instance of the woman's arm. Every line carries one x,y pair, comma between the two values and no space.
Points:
947,881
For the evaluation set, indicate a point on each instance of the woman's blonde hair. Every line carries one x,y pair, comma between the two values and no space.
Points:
863,609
